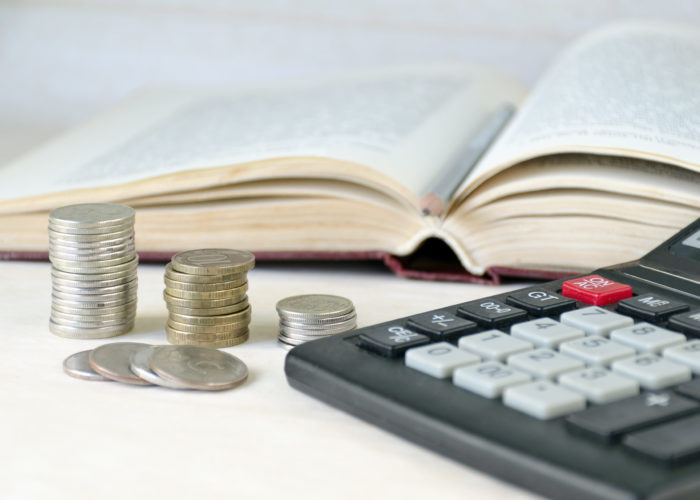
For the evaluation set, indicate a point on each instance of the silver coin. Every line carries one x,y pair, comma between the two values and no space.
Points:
291,341
338,325
310,334
91,291
89,333
284,345
197,295
318,323
72,256
140,364
124,247
314,306
213,261
203,287
91,214
199,367
59,229
201,278
60,317
78,268
93,311
113,361
68,239
88,285
92,324
77,365
94,246
124,274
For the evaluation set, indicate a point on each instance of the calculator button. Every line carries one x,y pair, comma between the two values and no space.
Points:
543,400
674,441
544,363
610,420
595,290
599,385
596,350
645,337
541,302
652,372
493,344
651,307
688,323
391,340
687,354
439,359
690,389
545,332
441,325
488,379
595,320
492,313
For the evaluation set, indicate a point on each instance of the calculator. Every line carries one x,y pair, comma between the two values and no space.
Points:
587,387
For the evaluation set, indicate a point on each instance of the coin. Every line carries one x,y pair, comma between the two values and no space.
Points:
74,308
212,311
202,304
113,361
227,328
314,306
199,367
214,344
89,333
201,278
213,261
72,239
229,284
211,320
140,364
91,214
78,365
197,295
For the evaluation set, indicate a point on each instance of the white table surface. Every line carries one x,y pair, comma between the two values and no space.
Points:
63,437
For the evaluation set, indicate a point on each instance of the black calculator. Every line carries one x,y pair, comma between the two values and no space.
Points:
587,387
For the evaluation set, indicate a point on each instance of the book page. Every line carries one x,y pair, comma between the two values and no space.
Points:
629,90
405,123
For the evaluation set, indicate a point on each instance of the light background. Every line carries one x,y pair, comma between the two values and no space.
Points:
64,60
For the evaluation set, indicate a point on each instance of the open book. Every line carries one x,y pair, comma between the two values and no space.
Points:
600,163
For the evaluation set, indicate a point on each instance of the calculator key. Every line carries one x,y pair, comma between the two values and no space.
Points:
488,379
391,340
493,344
544,363
609,421
651,307
645,337
595,320
441,325
439,359
674,441
543,400
545,332
596,350
687,354
599,385
541,302
595,290
688,323
652,372
689,389
492,313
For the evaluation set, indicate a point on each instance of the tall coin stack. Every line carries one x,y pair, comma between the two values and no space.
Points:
93,270
205,291
310,317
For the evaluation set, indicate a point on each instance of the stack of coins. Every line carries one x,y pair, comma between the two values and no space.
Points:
205,291
93,270
310,317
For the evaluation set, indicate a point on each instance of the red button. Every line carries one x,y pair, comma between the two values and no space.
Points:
595,290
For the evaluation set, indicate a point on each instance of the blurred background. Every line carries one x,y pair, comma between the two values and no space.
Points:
64,60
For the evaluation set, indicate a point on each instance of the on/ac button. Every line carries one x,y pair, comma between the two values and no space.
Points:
595,290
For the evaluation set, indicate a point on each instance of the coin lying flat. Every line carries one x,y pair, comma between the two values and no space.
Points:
310,317
91,215
114,361
198,367
213,261
78,365
140,364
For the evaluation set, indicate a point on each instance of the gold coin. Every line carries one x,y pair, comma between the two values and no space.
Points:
211,311
201,279
213,261
202,304
211,320
205,287
229,329
196,295
217,344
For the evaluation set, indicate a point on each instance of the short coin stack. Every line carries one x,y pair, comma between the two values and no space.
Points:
310,317
93,270
205,291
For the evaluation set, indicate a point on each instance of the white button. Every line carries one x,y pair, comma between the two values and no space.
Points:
595,320
646,337
652,372
686,354
545,332
596,350
600,385
439,359
493,344
488,379
543,399
544,363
